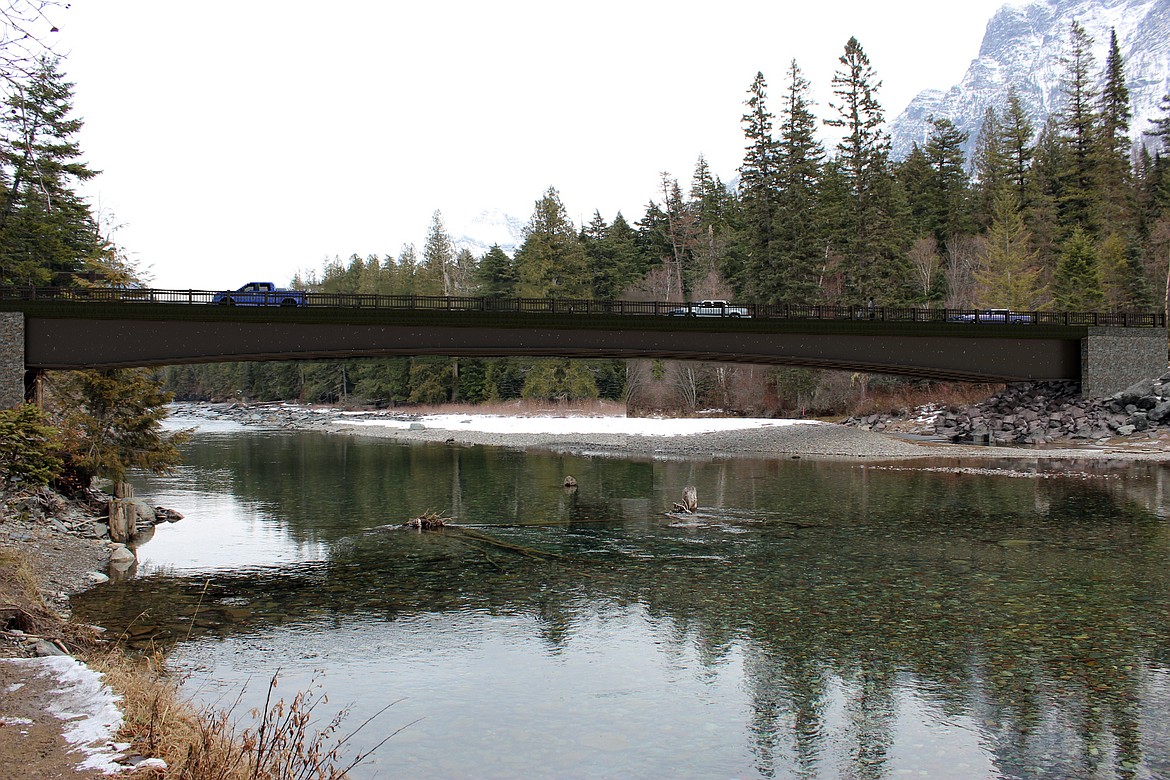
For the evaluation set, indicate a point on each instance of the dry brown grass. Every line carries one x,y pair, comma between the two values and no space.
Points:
17,580
904,398
283,741
22,608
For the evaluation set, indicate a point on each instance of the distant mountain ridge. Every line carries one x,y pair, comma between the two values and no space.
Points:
491,226
1023,46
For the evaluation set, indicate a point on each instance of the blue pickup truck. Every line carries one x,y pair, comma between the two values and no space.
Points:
260,294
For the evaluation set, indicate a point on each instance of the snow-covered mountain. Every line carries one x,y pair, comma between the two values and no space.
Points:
490,227
1023,47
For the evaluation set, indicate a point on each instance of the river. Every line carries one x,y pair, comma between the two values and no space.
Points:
815,619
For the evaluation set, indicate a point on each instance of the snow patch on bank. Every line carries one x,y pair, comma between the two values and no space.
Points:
630,426
87,706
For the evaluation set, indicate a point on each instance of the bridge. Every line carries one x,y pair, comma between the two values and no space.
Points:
77,328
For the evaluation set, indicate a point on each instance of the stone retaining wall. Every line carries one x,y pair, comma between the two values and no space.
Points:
11,359
1113,359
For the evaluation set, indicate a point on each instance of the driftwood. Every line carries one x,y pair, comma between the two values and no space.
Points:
428,521
570,482
690,500
433,522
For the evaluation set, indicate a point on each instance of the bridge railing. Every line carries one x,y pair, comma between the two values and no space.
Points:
586,306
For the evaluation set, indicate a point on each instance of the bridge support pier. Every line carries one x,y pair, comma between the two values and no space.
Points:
1112,359
11,359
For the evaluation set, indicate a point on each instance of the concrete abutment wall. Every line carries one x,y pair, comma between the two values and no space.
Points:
11,359
1113,359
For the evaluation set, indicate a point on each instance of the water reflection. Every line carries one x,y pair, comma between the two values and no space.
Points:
815,619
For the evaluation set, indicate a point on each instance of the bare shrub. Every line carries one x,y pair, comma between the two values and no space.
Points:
285,740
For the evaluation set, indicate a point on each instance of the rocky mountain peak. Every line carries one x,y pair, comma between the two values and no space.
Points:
1023,47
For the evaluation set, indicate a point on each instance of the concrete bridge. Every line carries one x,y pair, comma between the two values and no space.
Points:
103,328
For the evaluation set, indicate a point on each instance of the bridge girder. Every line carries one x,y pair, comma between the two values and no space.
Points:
62,343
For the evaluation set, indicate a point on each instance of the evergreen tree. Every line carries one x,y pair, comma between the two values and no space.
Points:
1161,128
408,271
614,259
757,189
991,165
113,423
29,447
915,176
1112,167
382,379
1078,122
551,262
45,225
432,380
949,188
1018,131
437,274
709,197
712,208
1077,281
620,245
798,234
560,380
496,275
757,173
868,237
1009,274
1045,186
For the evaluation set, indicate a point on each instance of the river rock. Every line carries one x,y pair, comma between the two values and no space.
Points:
1043,412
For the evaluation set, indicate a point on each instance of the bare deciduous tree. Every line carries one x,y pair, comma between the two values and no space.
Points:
925,261
25,29
963,253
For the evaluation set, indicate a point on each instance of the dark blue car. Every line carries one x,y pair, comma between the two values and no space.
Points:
260,294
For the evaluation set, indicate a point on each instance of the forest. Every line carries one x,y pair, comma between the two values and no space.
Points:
1070,215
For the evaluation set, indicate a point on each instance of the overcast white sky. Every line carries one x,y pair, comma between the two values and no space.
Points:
244,140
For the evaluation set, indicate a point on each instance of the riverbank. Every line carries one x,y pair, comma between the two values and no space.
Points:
57,717
614,435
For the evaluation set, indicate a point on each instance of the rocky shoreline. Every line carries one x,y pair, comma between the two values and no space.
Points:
1046,413
66,543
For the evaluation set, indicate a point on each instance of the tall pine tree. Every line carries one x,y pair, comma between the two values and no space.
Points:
867,237
551,262
46,227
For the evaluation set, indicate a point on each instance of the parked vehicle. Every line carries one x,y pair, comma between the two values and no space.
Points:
995,315
260,294
710,309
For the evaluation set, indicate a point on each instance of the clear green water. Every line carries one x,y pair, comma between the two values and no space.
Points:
814,620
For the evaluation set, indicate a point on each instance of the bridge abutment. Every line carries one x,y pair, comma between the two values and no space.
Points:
1113,359
11,359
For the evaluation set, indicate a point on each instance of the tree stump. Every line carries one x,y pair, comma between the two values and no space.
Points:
123,513
690,500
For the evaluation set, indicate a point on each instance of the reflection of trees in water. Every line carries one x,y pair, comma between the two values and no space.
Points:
1035,607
